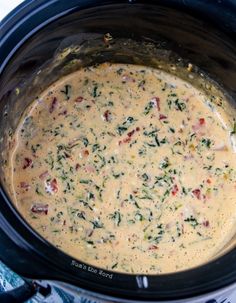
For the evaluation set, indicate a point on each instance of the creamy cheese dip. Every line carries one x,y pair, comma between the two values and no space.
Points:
127,168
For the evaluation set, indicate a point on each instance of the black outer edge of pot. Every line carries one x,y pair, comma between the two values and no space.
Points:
19,253
218,12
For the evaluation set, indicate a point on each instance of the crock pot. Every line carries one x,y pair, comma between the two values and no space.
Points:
202,31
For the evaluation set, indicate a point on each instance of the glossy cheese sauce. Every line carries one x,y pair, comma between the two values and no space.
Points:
126,168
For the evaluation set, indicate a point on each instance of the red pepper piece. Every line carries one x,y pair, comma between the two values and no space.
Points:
79,99
53,105
153,247
197,193
175,190
107,116
53,185
202,121
27,163
126,140
155,101
24,185
130,134
162,117
206,223
126,78
198,126
39,208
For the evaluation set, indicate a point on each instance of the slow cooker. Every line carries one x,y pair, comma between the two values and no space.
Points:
37,45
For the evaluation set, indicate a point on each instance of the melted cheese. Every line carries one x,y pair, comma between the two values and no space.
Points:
127,168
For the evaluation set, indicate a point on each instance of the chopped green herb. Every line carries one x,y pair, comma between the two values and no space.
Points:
114,265
116,216
164,163
206,142
83,181
233,132
67,91
193,221
97,224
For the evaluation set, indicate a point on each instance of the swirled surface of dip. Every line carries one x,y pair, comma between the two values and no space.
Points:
126,168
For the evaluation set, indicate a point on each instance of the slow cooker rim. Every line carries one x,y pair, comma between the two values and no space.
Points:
219,282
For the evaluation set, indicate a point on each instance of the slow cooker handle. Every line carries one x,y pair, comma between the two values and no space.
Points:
19,294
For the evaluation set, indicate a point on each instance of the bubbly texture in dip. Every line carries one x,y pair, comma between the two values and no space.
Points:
127,168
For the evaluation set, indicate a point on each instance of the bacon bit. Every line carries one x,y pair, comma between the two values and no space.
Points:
162,117
202,121
53,105
77,166
153,247
64,222
39,208
209,181
155,101
175,190
197,193
24,185
107,116
63,113
79,99
27,162
126,78
44,175
206,223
